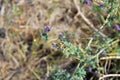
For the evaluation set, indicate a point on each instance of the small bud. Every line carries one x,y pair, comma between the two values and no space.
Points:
60,36
88,2
89,69
47,28
101,4
54,44
117,27
104,52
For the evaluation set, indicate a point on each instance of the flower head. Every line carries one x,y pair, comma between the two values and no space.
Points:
117,27
104,52
101,4
60,36
47,28
54,44
87,2
89,69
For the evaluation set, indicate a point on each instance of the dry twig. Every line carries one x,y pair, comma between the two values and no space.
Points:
109,75
76,2
110,57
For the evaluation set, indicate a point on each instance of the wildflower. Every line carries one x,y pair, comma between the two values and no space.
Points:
60,36
101,4
54,44
117,27
89,69
87,2
104,52
95,72
47,28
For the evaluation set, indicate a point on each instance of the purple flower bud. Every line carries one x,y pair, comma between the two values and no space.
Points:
60,36
104,52
88,2
47,28
96,72
89,69
54,44
117,27
101,4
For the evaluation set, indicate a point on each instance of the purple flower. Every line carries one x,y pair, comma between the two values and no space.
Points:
54,44
87,2
117,27
101,4
60,36
89,69
47,28
95,72
104,52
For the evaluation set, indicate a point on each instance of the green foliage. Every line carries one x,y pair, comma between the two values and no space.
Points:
97,8
79,74
71,50
59,75
45,36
